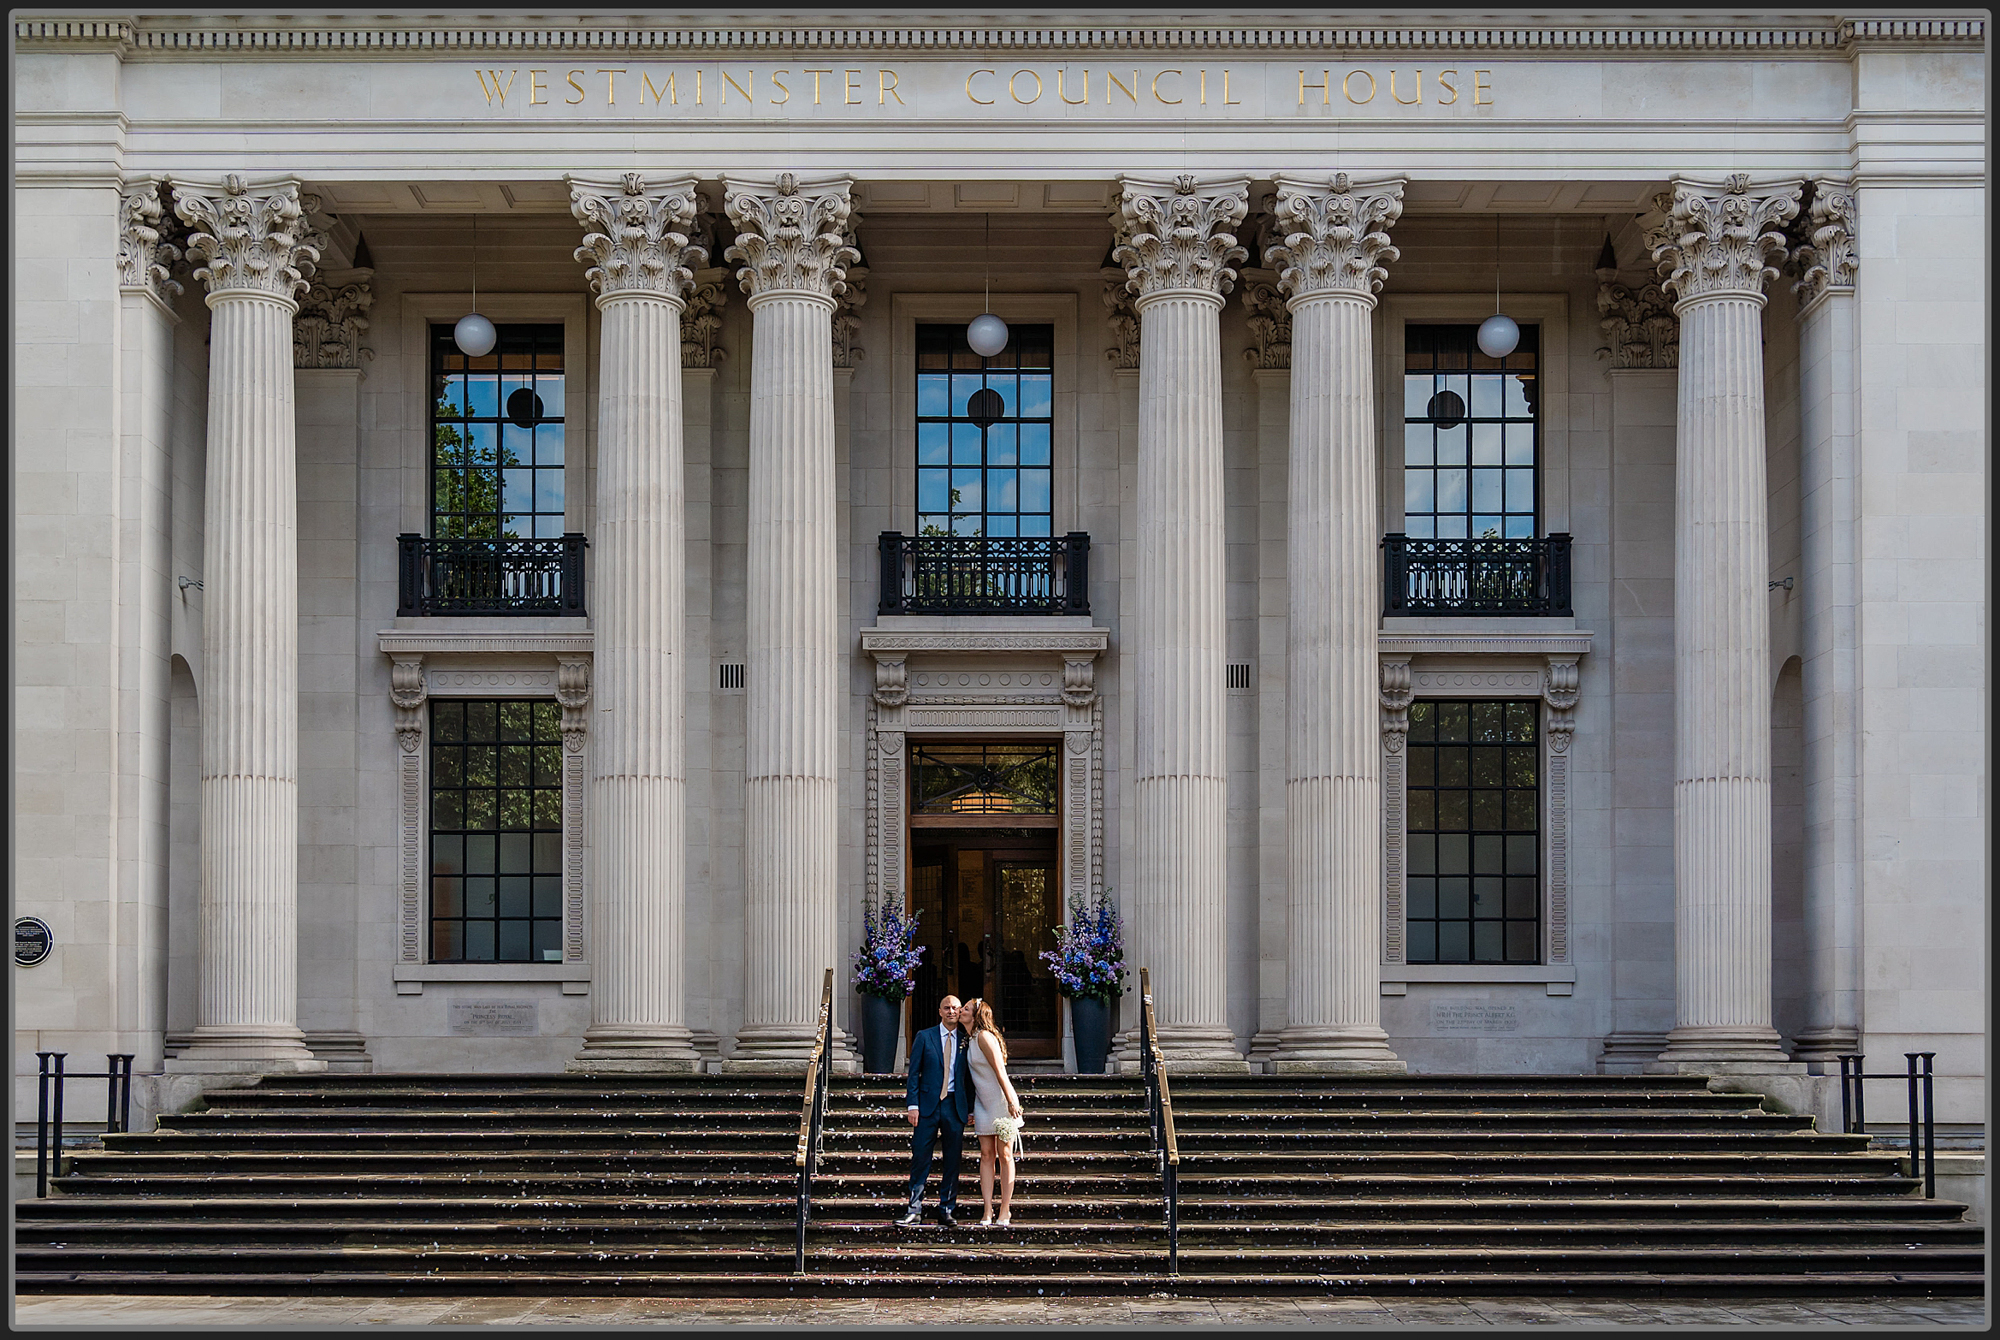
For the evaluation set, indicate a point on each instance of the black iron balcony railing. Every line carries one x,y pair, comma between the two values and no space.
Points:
1494,577
489,576
970,574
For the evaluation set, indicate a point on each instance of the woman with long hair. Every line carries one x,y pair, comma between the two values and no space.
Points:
993,1097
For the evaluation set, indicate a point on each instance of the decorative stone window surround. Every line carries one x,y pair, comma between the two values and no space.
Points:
1483,663
1548,310
939,678
419,312
1056,309
478,664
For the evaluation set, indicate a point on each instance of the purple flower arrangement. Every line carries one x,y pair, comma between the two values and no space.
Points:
889,953
1089,957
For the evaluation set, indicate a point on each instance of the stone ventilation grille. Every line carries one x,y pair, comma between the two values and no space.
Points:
1322,41
729,677
1239,677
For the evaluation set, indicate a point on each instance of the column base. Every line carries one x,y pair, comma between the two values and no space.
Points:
1192,1050
1329,1049
1629,1053
1703,1044
1263,1047
624,1049
1821,1049
275,1049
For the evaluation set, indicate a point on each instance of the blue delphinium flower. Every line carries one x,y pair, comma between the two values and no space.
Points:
1088,959
887,960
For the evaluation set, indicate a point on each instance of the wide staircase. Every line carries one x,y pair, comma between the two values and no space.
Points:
1604,1185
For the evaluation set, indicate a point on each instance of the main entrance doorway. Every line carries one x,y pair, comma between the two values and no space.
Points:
985,886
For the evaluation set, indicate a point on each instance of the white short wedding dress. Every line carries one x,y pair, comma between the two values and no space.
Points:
989,1096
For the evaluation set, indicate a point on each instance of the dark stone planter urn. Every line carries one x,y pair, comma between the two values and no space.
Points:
1090,1022
880,1020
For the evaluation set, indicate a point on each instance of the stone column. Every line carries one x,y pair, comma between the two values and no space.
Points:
1829,483
1713,249
1176,245
792,240
252,247
641,266
1333,244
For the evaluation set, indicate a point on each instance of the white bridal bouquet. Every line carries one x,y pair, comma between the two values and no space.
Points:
1008,1128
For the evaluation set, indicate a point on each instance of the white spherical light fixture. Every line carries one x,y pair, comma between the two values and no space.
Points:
1499,336
474,335
987,335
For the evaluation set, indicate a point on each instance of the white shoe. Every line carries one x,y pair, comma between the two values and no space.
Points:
984,1223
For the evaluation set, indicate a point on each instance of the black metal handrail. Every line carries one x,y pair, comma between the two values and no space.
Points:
978,574
1160,1111
1854,1111
51,1080
812,1118
1495,577
492,576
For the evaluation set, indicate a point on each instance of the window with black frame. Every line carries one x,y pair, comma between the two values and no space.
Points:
496,830
497,436
984,429
1473,832
1471,436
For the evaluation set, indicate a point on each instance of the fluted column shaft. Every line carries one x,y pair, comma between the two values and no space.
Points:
1178,250
638,800
253,248
1722,678
791,745
639,256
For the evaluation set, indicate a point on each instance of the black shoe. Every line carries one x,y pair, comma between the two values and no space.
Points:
945,1220
911,1218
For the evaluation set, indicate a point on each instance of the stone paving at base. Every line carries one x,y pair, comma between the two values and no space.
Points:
151,1312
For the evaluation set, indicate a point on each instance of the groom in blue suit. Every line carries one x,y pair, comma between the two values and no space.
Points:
940,1103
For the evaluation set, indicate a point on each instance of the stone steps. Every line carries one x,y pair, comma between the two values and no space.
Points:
685,1185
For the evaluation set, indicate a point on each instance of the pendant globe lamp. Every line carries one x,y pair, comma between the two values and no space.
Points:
987,334
474,334
1498,335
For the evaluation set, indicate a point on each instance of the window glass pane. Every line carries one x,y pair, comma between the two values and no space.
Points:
1034,444
1417,444
1497,429
496,808
1471,811
1011,496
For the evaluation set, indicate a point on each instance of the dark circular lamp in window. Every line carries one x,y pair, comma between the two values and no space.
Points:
985,407
1446,409
524,408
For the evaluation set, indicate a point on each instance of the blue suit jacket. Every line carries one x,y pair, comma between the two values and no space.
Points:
927,1077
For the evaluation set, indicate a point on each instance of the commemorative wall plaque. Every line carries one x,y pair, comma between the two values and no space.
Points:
33,940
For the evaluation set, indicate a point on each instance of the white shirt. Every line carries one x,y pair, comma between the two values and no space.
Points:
948,1037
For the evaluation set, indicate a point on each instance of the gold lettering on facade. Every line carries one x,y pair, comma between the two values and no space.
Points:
697,88
1015,93
1171,102
1349,79
1407,102
659,94
983,102
1060,93
534,87
852,88
1226,100
729,82
816,74
611,86
887,79
1479,88
495,90
1445,78
782,88
1132,92
570,79
1324,80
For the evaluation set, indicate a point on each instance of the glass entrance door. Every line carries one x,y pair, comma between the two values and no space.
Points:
988,902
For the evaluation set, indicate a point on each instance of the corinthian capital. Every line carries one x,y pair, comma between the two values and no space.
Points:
636,236
327,333
791,235
249,239
1824,252
1332,236
1179,234
1720,239
145,257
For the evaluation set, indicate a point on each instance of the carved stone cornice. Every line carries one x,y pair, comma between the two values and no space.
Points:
1823,248
327,332
792,235
1332,236
1719,239
1560,692
847,350
573,696
701,323
1121,317
145,256
892,681
636,238
1397,692
1270,326
249,239
408,692
1179,235
1639,324
1079,680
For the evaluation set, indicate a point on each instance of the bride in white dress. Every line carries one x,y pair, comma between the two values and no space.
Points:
993,1096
